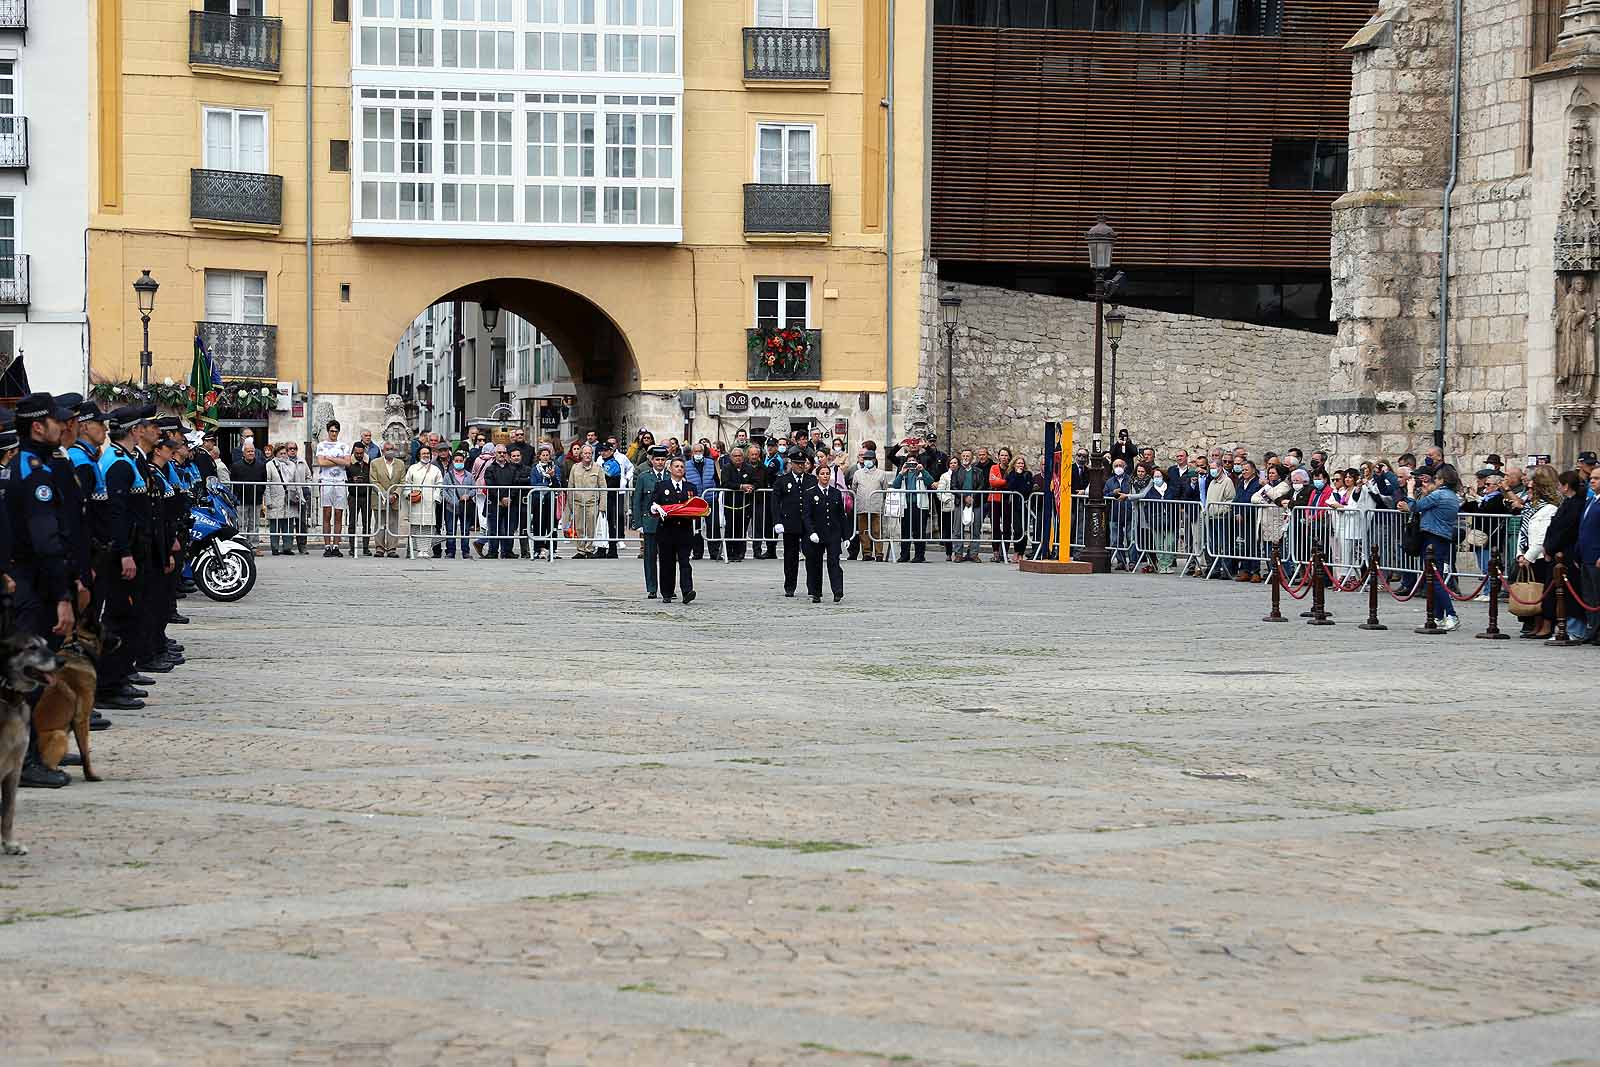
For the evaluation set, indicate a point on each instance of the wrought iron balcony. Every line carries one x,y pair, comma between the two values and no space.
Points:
14,281
13,143
241,349
13,14
796,209
758,370
238,42
236,196
785,53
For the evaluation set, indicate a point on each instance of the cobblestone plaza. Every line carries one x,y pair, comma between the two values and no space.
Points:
398,812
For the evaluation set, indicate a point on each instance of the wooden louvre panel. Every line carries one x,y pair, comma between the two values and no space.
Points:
1038,132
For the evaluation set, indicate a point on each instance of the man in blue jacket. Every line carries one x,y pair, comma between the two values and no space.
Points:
1589,557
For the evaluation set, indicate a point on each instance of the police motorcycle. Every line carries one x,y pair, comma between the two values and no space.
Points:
223,567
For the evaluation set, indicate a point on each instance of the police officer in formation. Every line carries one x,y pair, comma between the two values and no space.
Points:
788,494
91,530
674,535
823,521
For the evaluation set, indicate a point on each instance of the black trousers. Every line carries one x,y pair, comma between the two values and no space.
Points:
815,554
672,563
913,528
791,556
652,554
735,524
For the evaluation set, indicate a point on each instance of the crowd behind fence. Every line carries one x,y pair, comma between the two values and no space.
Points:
1155,536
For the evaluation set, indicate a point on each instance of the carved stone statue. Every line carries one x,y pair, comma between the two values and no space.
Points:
1575,337
395,430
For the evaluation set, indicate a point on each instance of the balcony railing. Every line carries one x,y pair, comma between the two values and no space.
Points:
241,349
13,143
236,196
13,281
785,53
239,42
797,209
13,14
758,371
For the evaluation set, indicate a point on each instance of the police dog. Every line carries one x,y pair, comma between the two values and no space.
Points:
26,664
69,699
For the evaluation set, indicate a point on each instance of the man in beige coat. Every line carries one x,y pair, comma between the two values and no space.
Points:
585,477
387,474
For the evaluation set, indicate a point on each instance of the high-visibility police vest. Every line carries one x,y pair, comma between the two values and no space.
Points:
82,455
110,458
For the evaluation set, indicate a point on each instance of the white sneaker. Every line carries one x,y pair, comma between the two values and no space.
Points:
1451,622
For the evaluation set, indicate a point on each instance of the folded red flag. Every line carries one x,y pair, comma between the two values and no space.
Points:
695,508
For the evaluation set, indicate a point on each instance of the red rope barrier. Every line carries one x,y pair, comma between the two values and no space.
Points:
1383,578
1575,596
1343,585
1284,584
1462,597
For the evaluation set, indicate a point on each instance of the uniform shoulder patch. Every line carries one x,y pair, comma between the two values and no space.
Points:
43,494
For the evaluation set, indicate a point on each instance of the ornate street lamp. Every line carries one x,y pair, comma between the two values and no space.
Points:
949,317
1100,239
1115,320
491,316
144,291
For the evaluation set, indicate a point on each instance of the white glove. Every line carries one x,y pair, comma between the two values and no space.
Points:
816,540
778,528
844,546
659,511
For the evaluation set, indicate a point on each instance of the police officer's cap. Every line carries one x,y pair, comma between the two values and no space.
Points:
164,442
89,411
658,451
8,431
39,406
71,401
125,418
797,454
167,423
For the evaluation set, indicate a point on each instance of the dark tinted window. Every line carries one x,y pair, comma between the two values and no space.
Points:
1249,18
1303,163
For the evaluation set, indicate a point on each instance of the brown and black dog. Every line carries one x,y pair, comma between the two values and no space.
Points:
69,699
26,664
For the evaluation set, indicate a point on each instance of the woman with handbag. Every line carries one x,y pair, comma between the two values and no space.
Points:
420,497
281,501
1560,537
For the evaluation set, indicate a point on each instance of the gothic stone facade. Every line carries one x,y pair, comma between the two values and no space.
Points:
1519,342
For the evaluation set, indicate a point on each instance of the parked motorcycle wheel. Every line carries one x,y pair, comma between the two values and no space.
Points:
225,576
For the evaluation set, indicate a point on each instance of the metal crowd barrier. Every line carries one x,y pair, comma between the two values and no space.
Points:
955,520
593,521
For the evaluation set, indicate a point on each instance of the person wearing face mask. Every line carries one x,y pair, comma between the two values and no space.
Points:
545,479
1313,497
701,470
868,483
1160,521
1118,490
387,472
1247,483
1219,495
460,494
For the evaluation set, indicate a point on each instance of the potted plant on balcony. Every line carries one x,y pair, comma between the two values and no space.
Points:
782,351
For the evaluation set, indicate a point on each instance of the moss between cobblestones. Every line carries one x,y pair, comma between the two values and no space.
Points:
799,846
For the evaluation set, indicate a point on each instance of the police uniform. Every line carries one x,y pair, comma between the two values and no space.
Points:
644,488
823,521
39,563
674,540
118,511
788,495
74,527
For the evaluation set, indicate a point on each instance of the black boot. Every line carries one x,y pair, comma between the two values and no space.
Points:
179,620
36,775
117,702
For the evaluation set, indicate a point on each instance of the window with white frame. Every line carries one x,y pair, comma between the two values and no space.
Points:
397,155
236,296
236,140
783,302
785,154
391,36
236,7
638,44
8,238
786,13
519,349
8,97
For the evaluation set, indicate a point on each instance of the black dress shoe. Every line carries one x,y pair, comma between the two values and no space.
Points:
666,600
118,702
159,666
838,597
133,691
98,721
178,620
688,598
650,596
788,592
70,759
140,679
816,600
38,776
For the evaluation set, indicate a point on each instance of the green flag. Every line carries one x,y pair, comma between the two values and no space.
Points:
204,389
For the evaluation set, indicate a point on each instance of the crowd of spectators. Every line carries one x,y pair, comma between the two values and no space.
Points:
1217,513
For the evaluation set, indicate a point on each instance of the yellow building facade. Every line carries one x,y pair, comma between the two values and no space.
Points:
646,181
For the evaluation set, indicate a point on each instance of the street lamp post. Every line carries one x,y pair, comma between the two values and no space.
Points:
1115,320
144,291
949,316
1100,238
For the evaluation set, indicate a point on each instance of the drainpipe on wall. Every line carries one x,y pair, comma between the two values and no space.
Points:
311,282
1444,244
888,237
